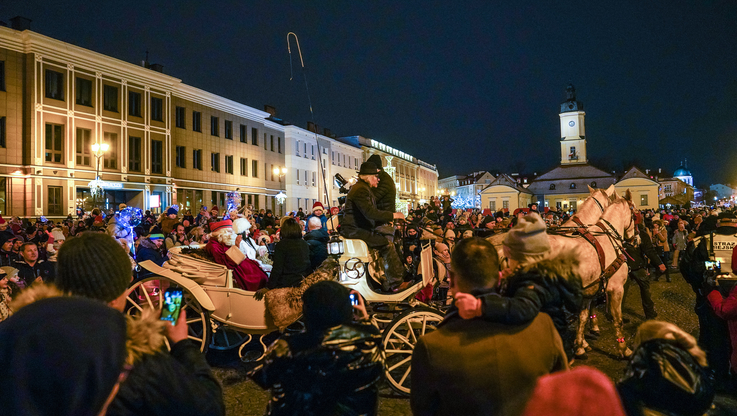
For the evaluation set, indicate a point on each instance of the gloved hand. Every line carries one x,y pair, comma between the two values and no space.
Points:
260,293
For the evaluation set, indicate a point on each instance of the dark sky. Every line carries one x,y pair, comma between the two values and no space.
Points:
464,85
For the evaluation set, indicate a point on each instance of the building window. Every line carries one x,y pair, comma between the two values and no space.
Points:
254,136
110,158
215,162
552,187
157,156
110,98
2,83
54,142
181,156
314,178
278,144
134,104
244,139
179,116
229,164
55,206
573,185
643,200
244,166
3,139
157,109
492,206
265,142
296,148
196,121
305,152
254,168
505,204
197,159
54,85
83,147
214,126
272,143
228,129
296,171
84,92
134,154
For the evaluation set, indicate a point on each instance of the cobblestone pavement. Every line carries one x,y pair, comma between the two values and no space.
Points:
673,301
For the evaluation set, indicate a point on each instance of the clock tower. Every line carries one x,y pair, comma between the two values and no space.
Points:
572,130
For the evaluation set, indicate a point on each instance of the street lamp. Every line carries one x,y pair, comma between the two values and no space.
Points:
98,150
280,172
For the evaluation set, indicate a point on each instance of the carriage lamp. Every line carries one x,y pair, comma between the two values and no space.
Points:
335,246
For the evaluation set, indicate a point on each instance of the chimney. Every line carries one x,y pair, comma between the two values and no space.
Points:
20,23
311,127
157,68
327,132
270,109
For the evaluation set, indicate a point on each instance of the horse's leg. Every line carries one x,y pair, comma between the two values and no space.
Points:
580,345
594,321
614,293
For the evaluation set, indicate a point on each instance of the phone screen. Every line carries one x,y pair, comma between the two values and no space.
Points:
354,299
713,265
172,305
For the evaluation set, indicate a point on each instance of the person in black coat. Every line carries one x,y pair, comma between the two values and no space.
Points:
637,257
151,249
359,221
268,220
317,238
291,257
31,269
386,192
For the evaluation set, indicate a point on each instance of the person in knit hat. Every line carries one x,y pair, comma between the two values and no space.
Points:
169,220
535,281
318,210
151,248
61,356
95,266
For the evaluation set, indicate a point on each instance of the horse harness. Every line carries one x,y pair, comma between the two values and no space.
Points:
606,271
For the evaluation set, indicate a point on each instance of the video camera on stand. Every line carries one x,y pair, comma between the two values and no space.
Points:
343,187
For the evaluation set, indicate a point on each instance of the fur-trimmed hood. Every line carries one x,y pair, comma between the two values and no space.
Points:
557,273
145,335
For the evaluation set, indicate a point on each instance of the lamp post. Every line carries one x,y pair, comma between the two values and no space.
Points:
98,150
281,196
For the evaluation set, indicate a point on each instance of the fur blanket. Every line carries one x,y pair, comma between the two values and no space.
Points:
285,304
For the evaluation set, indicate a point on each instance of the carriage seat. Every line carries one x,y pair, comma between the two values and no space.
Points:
197,265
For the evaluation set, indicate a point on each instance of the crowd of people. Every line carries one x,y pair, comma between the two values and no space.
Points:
77,270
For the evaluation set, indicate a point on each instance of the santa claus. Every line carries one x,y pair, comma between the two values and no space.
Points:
248,246
223,246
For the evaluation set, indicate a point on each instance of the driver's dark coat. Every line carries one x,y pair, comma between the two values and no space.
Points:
360,209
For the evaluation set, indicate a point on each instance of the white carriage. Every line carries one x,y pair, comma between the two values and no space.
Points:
222,316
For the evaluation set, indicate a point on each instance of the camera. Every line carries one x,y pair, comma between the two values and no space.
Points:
342,183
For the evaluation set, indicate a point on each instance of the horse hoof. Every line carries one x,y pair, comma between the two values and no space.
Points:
583,356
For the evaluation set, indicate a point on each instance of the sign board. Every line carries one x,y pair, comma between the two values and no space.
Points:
105,184
154,201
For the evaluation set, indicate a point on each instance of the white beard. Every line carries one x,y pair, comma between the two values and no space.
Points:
226,237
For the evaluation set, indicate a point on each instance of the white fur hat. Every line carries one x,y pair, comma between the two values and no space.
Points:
241,225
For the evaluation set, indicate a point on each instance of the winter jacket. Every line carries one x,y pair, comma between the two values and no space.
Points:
291,263
385,193
551,285
318,242
661,239
167,224
476,367
361,211
637,256
336,374
726,308
28,274
161,383
147,250
7,258
679,239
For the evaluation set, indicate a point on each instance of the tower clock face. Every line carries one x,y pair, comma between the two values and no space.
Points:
571,123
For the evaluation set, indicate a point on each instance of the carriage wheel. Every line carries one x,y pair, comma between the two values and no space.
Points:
226,338
148,293
399,340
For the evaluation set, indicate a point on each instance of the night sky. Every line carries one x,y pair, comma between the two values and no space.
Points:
464,85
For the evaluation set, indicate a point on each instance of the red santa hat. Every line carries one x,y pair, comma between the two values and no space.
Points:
2,220
215,208
219,225
318,204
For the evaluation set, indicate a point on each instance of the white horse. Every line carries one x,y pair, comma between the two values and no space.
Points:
615,224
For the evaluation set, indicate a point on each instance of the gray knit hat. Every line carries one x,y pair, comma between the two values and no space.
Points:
93,265
527,238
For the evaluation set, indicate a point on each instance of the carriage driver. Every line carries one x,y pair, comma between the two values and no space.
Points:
359,222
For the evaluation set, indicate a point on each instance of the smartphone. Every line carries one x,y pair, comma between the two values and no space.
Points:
713,265
354,299
172,305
